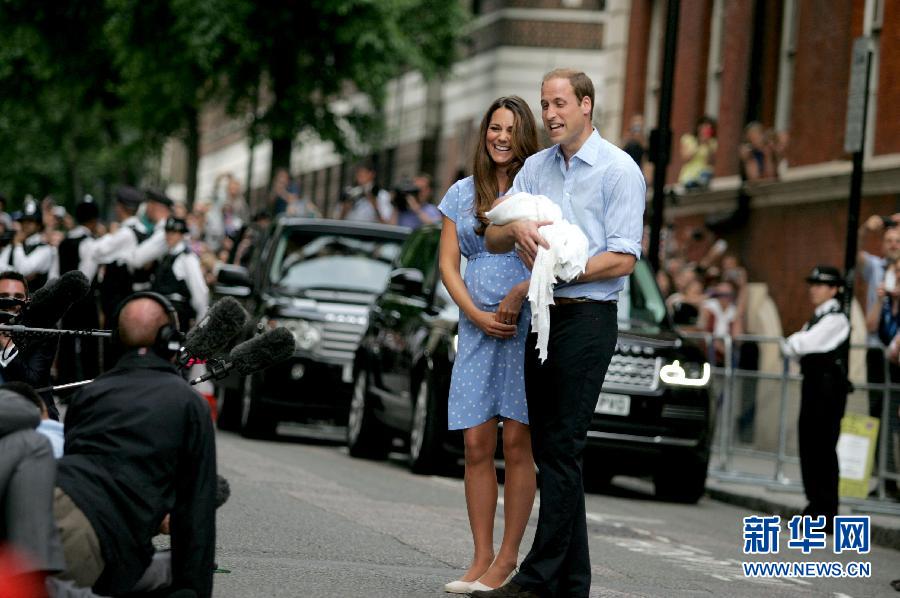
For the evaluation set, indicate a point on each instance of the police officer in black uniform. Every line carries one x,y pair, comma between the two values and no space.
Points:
113,250
179,276
32,256
822,347
79,356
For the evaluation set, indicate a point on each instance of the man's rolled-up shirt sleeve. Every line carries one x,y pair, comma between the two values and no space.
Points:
624,220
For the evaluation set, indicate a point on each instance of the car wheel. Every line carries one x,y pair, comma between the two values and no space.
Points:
256,420
366,437
230,404
682,482
426,437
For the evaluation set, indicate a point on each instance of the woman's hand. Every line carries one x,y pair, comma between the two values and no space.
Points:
488,324
511,306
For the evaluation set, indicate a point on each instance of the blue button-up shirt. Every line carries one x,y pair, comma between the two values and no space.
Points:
602,192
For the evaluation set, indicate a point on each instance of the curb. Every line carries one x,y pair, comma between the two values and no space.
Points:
888,537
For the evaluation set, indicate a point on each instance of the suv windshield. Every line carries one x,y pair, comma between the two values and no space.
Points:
310,259
640,302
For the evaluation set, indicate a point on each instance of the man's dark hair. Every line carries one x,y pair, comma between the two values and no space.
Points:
13,275
26,391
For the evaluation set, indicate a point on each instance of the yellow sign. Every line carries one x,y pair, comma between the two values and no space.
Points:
856,454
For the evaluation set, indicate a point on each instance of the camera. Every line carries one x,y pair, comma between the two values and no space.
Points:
6,237
888,222
401,192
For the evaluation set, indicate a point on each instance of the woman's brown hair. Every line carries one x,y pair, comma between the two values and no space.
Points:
524,143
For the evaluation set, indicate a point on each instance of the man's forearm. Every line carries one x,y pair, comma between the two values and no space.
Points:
607,265
499,239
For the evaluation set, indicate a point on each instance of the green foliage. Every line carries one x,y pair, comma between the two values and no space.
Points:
303,57
90,89
59,127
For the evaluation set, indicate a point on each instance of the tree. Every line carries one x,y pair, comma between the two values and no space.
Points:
298,60
60,131
170,54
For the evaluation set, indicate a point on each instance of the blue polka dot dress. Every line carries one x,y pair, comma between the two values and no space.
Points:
489,373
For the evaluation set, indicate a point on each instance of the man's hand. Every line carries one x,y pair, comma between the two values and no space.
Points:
528,260
874,223
528,237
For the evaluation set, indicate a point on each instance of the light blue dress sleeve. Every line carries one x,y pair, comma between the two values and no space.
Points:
624,213
449,206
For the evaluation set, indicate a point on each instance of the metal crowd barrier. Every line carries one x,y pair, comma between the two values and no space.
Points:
731,462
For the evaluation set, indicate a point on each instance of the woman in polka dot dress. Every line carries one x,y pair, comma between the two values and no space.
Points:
488,382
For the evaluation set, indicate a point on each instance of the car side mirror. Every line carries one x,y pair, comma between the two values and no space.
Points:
233,280
406,281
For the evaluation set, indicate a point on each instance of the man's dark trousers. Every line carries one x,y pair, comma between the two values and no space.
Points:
562,394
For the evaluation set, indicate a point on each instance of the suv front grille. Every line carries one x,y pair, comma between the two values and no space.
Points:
632,373
340,340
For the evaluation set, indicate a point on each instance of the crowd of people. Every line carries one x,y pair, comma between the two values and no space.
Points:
87,483
762,152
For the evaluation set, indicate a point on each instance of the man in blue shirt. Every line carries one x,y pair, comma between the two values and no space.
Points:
601,190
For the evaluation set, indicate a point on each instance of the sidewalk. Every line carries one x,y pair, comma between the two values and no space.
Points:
754,488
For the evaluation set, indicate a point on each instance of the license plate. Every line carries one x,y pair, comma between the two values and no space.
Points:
612,404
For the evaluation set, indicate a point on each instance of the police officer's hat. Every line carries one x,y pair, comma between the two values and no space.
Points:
86,210
176,225
129,197
30,212
825,275
159,197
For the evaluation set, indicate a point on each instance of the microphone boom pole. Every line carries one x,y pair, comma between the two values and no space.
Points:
28,330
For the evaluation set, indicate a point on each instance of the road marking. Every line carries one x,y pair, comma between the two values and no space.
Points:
610,518
595,517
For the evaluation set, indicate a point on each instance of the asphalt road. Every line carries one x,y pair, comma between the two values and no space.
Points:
306,519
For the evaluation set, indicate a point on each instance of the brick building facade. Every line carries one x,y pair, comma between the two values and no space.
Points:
785,64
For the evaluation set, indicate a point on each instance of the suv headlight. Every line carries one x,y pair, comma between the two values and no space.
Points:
689,374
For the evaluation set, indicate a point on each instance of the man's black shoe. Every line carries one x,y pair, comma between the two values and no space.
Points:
510,590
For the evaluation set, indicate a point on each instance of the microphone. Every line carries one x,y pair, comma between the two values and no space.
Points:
253,355
224,321
51,302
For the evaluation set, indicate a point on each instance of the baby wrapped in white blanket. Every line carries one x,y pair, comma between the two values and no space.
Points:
566,258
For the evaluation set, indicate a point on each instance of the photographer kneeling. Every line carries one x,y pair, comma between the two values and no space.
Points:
139,446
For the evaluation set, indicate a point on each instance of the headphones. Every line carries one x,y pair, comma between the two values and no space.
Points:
168,338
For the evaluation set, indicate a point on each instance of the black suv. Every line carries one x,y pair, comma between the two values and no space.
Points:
654,416
317,278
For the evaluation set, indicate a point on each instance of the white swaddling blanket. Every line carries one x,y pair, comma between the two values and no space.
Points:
566,258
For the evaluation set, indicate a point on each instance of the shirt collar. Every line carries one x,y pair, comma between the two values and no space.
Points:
589,152
144,358
35,239
78,232
827,306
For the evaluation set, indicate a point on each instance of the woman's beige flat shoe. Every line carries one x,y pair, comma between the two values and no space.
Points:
480,587
459,587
